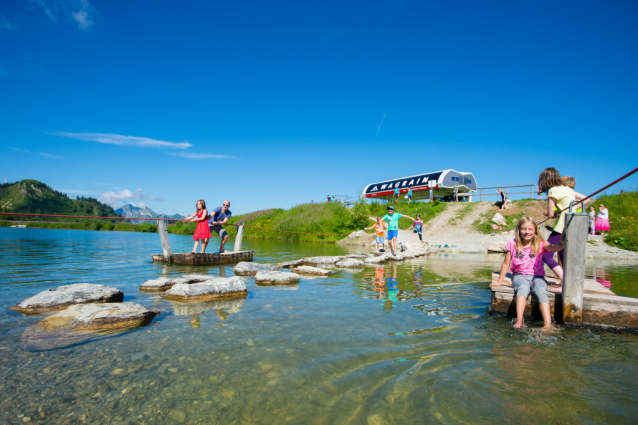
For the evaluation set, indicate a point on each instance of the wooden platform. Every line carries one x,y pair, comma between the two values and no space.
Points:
600,305
207,259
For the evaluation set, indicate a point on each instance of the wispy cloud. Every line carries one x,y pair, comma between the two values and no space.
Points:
79,11
120,140
202,156
20,150
114,199
379,129
51,156
5,180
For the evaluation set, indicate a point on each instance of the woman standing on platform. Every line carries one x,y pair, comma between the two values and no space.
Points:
201,231
602,220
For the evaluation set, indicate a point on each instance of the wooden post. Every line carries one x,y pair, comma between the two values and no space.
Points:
532,192
166,244
238,238
574,267
481,195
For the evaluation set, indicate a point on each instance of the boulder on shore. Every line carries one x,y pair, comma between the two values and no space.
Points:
83,322
211,288
323,260
499,219
350,263
245,268
63,296
276,278
315,271
494,246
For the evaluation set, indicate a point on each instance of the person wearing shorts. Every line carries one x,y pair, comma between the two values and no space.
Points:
220,216
379,230
396,194
393,227
410,195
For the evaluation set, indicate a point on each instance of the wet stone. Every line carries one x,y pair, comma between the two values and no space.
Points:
210,288
350,262
288,264
63,296
323,260
245,268
309,270
276,278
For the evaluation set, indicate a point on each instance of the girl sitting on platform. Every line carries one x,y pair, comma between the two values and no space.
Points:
524,255
201,231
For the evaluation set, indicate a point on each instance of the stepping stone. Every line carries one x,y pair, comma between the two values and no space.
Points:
245,268
315,271
165,283
359,256
63,296
377,259
83,322
276,278
210,288
288,264
350,263
322,260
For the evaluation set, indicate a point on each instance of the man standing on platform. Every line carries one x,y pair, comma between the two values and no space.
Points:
220,216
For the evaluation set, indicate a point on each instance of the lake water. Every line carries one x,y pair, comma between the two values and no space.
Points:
348,348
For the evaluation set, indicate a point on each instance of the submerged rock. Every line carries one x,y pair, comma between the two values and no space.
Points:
316,271
276,278
350,263
63,296
322,260
210,288
231,304
245,268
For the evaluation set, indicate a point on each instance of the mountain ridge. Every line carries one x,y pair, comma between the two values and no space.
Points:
132,211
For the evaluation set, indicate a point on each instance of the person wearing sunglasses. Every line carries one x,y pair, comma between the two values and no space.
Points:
220,216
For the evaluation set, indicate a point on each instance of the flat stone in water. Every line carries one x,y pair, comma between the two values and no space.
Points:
323,260
159,284
350,262
245,268
210,288
231,304
277,278
64,296
288,264
316,271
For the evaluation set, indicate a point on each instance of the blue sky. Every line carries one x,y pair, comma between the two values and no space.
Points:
271,104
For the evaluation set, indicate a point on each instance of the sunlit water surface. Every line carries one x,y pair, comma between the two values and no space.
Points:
351,348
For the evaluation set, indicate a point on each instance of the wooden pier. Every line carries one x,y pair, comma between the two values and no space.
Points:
600,305
198,259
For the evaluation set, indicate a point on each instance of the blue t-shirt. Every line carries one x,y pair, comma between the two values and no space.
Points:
396,190
410,192
393,221
218,215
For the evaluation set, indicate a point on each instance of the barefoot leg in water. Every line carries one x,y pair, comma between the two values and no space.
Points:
547,317
520,309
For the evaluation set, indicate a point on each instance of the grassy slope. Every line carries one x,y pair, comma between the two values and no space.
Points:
623,219
518,209
32,196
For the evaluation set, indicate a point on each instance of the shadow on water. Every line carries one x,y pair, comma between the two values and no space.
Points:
403,343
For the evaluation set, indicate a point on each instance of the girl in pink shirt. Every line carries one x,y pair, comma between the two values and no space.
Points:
524,256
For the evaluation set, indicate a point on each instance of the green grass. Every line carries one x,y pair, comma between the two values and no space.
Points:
427,210
462,213
484,224
623,219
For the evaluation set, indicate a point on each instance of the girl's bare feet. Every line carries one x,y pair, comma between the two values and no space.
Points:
519,324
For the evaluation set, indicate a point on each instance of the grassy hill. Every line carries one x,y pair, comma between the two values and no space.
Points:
623,219
32,196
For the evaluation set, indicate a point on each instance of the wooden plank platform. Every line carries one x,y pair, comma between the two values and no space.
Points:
600,305
207,259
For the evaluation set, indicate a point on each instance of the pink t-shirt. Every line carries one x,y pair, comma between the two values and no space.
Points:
524,263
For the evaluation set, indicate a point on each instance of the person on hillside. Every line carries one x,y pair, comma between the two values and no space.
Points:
201,231
417,227
220,216
558,199
602,220
431,195
524,256
379,230
396,193
456,194
592,220
329,200
410,195
392,220
503,198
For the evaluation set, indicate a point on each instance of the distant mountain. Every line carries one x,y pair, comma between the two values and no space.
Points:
129,210
34,197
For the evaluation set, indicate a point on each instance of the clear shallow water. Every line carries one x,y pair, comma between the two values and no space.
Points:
352,348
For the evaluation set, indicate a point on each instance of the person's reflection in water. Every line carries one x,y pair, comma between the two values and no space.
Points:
379,286
393,289
222,272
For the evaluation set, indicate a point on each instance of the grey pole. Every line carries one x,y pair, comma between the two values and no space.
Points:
166,244
575,232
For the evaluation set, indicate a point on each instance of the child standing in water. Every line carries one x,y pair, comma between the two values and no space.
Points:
380,234
528,272
418,228
201,231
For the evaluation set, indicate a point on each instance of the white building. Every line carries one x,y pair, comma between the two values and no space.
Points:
441,182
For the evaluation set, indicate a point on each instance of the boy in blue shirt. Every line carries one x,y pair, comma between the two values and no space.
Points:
393,227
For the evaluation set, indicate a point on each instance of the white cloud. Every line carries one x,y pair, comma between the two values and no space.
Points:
201,156
79,11
4,180
51,156
19,150
125,195
120,140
